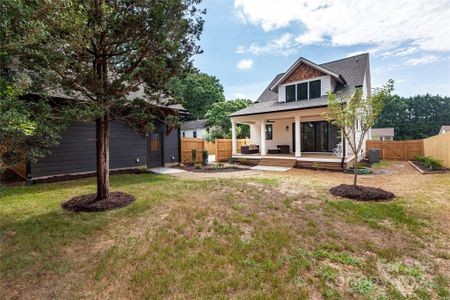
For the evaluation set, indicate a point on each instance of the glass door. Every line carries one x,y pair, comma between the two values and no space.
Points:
319,136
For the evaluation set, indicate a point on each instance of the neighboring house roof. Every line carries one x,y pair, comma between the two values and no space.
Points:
382,131
351,69
196,124
445,128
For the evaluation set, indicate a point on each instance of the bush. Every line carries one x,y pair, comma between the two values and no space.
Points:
194,155
242,160
205,156
198,166
429,162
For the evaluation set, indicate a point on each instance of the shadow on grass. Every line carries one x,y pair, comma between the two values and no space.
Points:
35,230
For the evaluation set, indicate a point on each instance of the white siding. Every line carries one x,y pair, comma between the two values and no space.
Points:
255,133
190,133
282,93
280,135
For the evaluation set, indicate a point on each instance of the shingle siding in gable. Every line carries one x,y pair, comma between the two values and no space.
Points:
303,72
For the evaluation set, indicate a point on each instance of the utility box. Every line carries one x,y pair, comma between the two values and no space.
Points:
374,155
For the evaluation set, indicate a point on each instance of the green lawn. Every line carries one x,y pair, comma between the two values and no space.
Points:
224,238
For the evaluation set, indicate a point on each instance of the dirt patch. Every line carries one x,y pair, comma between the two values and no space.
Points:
86,175
363,193
88,203
212,169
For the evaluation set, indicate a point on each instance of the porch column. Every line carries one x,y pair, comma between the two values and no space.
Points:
233,138
298,145
262,147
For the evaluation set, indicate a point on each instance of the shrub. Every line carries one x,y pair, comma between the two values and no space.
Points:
429,162
198,166
205,156
242,160
194,155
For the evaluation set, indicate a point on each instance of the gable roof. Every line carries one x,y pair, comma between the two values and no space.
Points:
195,124
299,61
351,69
382,131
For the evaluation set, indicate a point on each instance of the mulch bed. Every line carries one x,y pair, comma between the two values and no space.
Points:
88,203
87,175
211,169
361,193
420,166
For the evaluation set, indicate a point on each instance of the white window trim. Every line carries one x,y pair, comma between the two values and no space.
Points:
321,78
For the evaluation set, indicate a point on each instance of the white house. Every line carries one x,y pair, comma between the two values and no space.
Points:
286,121
382,134
194,129
444,129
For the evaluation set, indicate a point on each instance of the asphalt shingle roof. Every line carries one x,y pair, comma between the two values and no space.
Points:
352,69
195,124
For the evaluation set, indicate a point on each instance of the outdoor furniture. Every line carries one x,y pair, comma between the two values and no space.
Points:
249,149
284,149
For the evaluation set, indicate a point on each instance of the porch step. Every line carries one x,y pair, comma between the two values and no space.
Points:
277,162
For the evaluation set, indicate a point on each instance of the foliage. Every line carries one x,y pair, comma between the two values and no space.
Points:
105,57
414,117
429,162
219,120
194,155
205,156
355,116
28,126
198,166
197,92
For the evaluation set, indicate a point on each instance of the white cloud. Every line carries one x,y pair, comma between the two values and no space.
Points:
285,45
425,59
245,64
383,23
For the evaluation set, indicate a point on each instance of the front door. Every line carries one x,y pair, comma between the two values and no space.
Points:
154,150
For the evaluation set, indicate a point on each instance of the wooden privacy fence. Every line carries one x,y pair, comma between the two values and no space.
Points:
187,144
397,150
220,147
438,147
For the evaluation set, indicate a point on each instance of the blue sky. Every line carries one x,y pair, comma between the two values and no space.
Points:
247,42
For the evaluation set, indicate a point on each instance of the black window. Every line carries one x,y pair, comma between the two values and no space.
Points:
184,134
269,131
314,89
290,93
194,134
302,91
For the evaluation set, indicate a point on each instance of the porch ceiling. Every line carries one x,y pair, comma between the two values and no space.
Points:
305,115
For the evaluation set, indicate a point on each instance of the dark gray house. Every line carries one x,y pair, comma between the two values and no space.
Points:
128,149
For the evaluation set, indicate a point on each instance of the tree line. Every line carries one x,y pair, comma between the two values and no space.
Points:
416,117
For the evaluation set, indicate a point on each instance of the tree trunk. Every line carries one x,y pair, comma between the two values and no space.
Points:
102,134
355,167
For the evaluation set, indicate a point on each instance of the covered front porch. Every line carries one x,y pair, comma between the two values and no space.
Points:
301,135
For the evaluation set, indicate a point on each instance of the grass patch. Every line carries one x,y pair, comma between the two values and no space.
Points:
216,238
381,164
373,214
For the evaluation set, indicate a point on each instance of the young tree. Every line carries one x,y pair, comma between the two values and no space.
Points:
218,118
197,92
355,115
101,53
